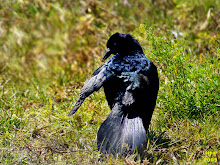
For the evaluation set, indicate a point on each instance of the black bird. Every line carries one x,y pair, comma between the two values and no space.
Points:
130,84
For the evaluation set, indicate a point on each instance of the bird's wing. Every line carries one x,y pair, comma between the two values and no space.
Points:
136,82
94,84
99,69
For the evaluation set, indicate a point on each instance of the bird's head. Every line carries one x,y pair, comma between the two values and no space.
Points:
121,44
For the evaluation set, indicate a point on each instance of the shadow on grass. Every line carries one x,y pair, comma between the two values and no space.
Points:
159,149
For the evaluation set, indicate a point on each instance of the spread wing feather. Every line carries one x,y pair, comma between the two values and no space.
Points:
94,84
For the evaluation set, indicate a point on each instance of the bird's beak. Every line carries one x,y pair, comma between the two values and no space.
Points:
107,54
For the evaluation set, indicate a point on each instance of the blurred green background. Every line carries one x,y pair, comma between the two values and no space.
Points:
49,48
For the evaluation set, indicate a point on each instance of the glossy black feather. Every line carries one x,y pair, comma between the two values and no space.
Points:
130,84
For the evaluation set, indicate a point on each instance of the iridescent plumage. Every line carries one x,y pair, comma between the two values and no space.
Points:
130,83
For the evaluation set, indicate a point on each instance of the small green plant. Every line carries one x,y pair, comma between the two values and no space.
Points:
49,48
189,84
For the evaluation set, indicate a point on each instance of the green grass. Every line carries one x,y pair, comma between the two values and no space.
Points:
48,49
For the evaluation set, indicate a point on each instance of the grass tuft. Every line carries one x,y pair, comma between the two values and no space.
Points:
49,49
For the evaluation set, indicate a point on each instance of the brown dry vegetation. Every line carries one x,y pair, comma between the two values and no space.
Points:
49,48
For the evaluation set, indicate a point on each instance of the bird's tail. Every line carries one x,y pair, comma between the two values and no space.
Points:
119,133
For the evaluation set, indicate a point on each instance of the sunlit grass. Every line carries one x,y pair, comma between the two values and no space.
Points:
49,49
